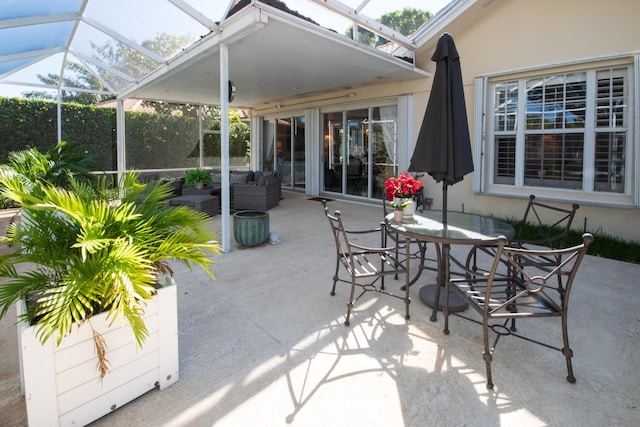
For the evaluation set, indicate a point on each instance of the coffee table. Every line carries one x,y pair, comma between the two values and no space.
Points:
199,202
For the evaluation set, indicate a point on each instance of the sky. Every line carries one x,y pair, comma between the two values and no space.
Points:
376,8
128,23
373,9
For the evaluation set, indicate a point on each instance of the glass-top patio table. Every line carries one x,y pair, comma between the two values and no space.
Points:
461,229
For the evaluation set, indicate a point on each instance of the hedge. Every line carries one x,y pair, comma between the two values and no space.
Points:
153,141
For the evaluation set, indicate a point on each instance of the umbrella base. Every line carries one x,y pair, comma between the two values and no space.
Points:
428,296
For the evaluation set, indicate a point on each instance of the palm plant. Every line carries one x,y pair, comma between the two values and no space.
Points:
55,166
88,249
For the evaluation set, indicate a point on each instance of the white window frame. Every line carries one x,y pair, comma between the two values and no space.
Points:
484,136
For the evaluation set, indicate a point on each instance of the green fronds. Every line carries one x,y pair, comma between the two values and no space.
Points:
95,248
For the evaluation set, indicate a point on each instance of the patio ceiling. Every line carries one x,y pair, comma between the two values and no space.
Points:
272,55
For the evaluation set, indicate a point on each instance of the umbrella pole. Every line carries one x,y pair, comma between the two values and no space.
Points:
444,202
433,295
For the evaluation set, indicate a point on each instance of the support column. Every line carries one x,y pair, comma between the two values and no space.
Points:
121,155
224,148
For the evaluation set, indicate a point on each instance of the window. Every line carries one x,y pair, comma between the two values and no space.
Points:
562,131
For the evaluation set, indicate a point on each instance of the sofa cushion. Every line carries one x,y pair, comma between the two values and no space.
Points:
238,178
216,177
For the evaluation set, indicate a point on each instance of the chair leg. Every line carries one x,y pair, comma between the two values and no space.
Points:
445,311
472,259
487,355
335,278
566,350
347,322
397,254
351,302
407,299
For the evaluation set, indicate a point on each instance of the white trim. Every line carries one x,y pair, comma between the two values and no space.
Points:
194,13
313,147
102,65
224,146
256,135
440,21
406,140
569,62
586,194
127,41
121,158
200,139
38,20
479,134
366,103
635,128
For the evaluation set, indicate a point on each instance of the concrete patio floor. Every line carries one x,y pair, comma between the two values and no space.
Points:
265,345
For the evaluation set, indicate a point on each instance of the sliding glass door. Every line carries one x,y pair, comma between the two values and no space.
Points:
359,150
284,150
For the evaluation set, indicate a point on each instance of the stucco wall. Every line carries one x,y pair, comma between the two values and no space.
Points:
521,34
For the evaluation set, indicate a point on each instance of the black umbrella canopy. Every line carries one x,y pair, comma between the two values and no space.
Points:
443,148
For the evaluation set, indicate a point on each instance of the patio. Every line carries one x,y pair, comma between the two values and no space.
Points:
265,344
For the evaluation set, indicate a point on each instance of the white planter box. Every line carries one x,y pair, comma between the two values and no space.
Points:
61,384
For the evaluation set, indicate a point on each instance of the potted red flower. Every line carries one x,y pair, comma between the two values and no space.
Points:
401,192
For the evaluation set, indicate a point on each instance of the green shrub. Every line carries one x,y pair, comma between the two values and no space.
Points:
194,176
603,245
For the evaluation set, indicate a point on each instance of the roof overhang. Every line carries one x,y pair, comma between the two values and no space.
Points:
272,55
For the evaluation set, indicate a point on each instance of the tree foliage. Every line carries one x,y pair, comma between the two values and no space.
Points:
405,21
133,62
117,55
76,75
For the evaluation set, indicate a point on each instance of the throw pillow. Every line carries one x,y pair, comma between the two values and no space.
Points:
238,178
216,178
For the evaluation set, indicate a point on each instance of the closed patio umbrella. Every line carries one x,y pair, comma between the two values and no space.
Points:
443,148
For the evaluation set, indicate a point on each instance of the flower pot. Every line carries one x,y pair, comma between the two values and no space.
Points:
61,384
398,216
251,228
410,209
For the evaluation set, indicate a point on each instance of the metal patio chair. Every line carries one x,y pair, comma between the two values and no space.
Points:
552,225
547,226
366,266
521,284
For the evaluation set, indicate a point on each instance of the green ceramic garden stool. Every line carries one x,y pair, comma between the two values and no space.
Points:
251,228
